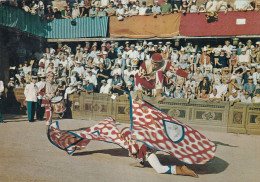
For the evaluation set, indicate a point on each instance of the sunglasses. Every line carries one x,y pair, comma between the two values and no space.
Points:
246,94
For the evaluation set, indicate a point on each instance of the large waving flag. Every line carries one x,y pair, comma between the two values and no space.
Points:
71,141
161,132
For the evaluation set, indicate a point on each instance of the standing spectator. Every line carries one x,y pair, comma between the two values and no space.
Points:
69,90
1,100
166,7
83,11
63,12
75,11
49,13
143,8
56,13
110,10
92,12
30,92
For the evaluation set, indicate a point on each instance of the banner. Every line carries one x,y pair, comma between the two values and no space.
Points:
145,26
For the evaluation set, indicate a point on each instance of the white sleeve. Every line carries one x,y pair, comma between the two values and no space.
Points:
2,86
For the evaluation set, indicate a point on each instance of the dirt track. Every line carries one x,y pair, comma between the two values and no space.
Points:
27,155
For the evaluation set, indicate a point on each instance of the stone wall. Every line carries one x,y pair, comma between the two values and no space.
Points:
240,118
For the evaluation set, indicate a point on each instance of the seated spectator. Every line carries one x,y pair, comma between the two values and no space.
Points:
104,3
203,95
204,85
178,93
222,60
91,78
250,86
40,11
214,96
246,98
88,87
256,75
193,7
234,97
105,88
117,89
222,6
63,12
244,58
110,10
166,7
80,87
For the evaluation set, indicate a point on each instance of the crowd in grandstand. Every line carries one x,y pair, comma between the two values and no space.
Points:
127,8
222,73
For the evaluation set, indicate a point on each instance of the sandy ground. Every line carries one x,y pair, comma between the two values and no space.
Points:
27,155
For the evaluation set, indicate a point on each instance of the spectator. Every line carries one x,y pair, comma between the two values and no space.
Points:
69,90
246,98
256,98
105,88
100,12
56,13
214,96
83,10
49,13
250,86
75,11
166,7
88,87
110,10
156,9
234,97
256,75
242,5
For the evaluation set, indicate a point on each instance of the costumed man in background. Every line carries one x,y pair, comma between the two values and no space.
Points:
41,87
152,75
30,92
2,88
143,153
48,94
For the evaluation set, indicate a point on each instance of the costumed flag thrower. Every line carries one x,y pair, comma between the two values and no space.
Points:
161,132
149,125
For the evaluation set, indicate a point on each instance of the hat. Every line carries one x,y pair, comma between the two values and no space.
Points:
72,55
132,45
159,42
119,53
128,66
79,83
150,43
193,50
207,68
234,49
103,81
12,78
156,57
155,45
34,77
119,84
240,43
250,77
258,67
139,48
78,62
105,52
249,41
258,42
243,50
234,90
42,76
71,84
168,43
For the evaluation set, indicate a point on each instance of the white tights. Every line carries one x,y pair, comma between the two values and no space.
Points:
159,168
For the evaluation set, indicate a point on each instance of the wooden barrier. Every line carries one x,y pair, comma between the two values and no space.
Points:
240,118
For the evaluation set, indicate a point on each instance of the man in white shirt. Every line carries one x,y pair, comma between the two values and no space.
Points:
234,97
214,96
105,88
132,53
92,78
70,90
1,100
143,8
227,47
244,58
30,92
79,69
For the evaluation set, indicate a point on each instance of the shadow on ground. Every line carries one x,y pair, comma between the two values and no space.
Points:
113,152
